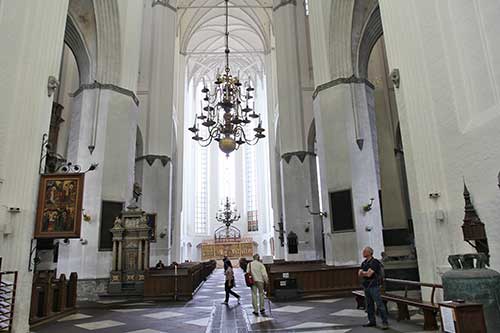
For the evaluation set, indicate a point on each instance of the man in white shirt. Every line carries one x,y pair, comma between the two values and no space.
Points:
259,274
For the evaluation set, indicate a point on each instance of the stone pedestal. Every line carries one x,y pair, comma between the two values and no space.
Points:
130,253
471,281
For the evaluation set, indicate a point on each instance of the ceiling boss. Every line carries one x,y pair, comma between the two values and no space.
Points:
226,112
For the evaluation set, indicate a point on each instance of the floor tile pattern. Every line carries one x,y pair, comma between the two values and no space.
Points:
205,313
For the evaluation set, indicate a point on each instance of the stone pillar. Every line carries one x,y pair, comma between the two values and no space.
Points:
159,139
294,164
175,253
345,132
88,123
344,114
32,33
103,129
274,155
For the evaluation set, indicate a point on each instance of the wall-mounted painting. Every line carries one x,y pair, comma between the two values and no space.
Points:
151,221
59,212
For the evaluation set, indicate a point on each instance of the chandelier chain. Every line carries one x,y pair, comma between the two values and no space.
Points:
227,109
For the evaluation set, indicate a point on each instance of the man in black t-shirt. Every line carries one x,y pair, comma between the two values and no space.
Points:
371,272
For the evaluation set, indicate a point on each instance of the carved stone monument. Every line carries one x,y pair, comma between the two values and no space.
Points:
130,253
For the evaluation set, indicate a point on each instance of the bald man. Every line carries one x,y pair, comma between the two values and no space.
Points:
371,272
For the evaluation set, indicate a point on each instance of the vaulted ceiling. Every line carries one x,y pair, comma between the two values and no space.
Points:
202,27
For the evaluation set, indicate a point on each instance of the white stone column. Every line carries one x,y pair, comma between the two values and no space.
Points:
178,158
345,130
338,110
447,119
107,120
31,34
294,164
274,155
159,135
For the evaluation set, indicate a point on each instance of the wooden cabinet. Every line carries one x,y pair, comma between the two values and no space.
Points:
462,317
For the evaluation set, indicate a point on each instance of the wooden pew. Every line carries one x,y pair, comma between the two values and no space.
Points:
166,284
430,308
52,297
315,277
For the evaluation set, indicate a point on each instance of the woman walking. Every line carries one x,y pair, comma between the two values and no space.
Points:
229,284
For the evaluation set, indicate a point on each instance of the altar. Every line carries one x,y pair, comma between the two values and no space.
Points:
234,249
227,241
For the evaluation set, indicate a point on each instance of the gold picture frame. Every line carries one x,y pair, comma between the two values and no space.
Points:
59,211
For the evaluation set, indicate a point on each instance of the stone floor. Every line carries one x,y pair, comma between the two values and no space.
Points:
205,313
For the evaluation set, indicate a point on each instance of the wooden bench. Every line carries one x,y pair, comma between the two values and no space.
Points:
180,283
315,278
430,309
52,297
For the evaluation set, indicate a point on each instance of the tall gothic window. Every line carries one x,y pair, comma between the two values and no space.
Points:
201,182
251,188
227,176
201,207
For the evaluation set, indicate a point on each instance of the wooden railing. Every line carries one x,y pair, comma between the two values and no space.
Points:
415,284
8,283
176,283
52,296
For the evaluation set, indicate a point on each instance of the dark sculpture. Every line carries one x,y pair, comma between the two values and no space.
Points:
473,228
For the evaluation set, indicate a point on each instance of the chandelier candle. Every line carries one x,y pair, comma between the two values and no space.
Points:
222,114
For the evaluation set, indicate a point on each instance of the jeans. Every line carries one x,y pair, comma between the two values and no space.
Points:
258,291
372,296
227,288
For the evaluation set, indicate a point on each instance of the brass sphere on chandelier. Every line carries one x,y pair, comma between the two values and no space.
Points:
227,145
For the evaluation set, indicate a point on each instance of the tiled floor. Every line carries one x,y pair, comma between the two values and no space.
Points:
205,314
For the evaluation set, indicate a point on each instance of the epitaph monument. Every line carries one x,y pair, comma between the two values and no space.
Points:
130,252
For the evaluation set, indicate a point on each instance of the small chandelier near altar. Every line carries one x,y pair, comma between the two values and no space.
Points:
225,110
228,214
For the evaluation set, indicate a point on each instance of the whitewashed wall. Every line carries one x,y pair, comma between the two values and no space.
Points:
449,105
30,54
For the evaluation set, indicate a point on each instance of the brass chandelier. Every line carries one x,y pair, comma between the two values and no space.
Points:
228,214
222,111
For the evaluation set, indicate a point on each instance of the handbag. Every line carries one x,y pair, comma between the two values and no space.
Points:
248,277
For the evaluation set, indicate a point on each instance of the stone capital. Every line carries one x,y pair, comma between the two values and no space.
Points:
106,86
301,155
150,159
283,3
341,80
164,3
